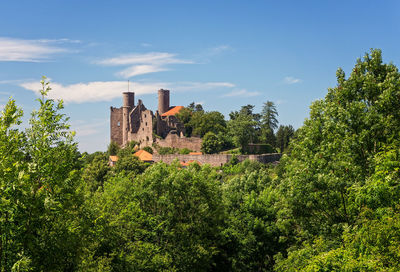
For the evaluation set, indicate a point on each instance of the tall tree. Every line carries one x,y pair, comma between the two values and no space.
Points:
269,122
334,150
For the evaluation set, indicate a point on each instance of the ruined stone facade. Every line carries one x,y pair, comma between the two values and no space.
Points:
135,123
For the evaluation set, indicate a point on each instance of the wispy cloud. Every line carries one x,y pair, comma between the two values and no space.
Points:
140,64
220,49
292,80
241,93
19,50
108,90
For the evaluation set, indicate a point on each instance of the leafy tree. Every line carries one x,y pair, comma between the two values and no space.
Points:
168,218
242,129
252,236
211,143
334,157
283,137
128,164
39,201
203,122
113,148
95,173
12,185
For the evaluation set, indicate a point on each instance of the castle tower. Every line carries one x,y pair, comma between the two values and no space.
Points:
163,101
128,103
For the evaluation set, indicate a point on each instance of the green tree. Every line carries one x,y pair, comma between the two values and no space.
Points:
39,178
168,218
252,235
203,122
283,137
242,129
269,122
113,148
211,143
335,154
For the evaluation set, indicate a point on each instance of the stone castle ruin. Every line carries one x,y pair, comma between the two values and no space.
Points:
137,123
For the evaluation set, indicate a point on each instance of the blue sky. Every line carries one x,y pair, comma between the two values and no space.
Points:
223,54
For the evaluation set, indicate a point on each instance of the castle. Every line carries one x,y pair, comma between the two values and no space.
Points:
137,123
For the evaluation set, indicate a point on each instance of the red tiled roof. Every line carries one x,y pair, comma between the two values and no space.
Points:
195,153
143,155
113,158
173,111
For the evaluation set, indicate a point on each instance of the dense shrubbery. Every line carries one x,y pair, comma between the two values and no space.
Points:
332,204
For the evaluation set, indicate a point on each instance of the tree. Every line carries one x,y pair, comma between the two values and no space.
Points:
242,129
113,148
269,122
283,137
211,143
39,179
168,218
203,122
251,236
334,154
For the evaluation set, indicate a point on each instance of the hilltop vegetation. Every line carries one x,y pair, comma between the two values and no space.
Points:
332,204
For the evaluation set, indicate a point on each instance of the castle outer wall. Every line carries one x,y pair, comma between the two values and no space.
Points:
216,159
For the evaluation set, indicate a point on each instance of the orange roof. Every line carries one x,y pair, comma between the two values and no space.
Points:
114,158
143,155
195,153
173,111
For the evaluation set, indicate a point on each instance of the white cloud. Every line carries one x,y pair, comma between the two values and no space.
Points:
292,80
242,93
108,90
140,64
219,49
29,50
140,70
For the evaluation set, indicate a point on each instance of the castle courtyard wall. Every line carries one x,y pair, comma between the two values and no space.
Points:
216,159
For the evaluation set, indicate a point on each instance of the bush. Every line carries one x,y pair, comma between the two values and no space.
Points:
148,149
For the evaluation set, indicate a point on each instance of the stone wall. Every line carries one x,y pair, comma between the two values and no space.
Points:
173,140
216,159
144,134
116,125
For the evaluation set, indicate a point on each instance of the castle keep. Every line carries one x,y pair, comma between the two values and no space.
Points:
137,123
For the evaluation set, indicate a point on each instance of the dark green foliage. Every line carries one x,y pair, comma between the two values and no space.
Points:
148,149
251,237
332,203
283,137
167,150
113,148
259,149
39,177
96,171
166,219
269,123
211,144
184,151
128,164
